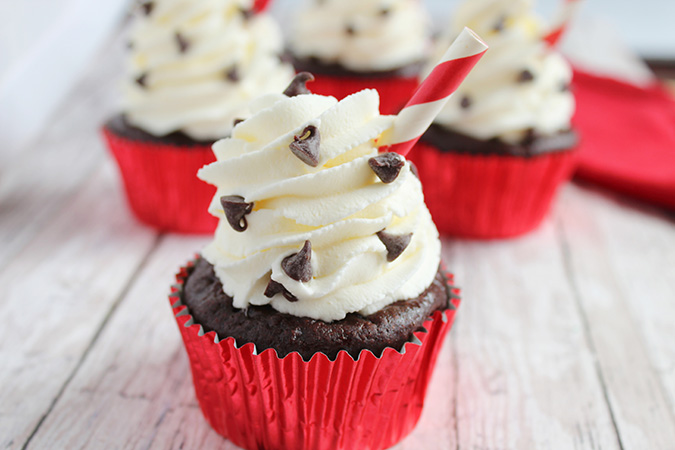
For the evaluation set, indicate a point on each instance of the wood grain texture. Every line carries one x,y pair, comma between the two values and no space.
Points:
47,173
526,378
622,264
56,294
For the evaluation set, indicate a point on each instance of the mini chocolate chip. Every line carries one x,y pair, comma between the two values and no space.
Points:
384,11
395,244
147,7
350,30
237,121
387,166
525,76
413,169
236,208
273,288
499,26
142,80
233,74
529,136
247,13
465,103
298,265
183,44
306,146
299,85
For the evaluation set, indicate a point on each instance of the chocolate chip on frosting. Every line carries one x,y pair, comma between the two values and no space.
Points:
465,103
236,209
350,29
395,244
298,265
246,13
299,85
232,74
142,80
499,26
385,11
183,44
387,166
147,7
273,288
306,146
525,76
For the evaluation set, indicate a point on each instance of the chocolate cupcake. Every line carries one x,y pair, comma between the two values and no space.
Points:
504,142
320,302
351,45
193,68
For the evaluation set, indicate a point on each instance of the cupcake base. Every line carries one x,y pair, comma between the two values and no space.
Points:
160,178
259,400
489,196
394,86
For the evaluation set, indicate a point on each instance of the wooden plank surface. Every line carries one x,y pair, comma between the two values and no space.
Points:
564,339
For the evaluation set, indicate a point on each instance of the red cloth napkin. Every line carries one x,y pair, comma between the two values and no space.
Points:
627,137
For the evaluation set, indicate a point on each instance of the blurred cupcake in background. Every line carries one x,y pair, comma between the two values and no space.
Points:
351,45
194,65
493,159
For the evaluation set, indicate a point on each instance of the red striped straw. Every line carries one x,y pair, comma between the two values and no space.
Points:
434,92
567,10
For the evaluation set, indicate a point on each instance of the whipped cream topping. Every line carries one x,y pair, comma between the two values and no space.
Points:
520,86
339,206
362,35
195,65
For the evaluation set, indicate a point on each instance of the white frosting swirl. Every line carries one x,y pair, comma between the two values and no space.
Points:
498,104
338,206
190,90
362,35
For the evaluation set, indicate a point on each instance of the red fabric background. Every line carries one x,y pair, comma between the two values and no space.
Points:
627,137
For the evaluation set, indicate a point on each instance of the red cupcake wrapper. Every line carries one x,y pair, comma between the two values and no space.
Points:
489,196
263,401
394,91
161,183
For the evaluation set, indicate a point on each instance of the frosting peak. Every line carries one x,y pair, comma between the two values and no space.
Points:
321,240
195,65
362,35
519,87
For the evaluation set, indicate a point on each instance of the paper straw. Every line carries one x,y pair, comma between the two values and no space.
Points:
434,92
567,10
260,5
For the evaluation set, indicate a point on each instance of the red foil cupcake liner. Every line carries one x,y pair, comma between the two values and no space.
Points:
394,91
263,401
489,196
161,183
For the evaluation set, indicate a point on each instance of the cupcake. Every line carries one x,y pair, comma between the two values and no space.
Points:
351,45
194,66
314,317
503,144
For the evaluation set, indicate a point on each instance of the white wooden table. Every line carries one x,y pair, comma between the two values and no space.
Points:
565,338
